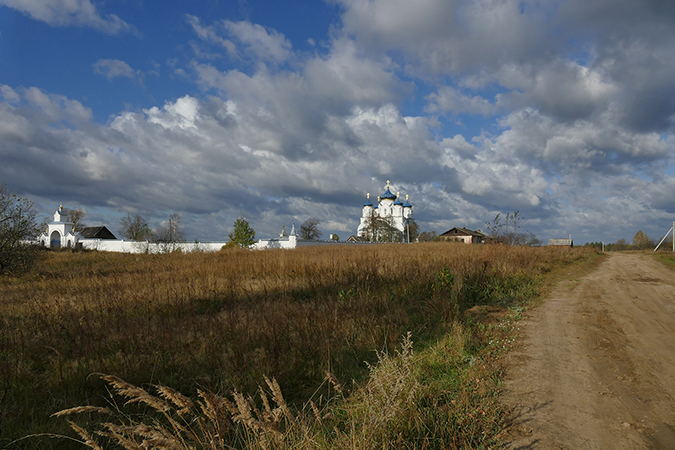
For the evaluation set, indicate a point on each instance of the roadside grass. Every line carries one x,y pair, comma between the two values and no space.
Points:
213,326
667,258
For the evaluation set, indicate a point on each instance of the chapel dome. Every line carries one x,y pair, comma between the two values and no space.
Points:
388,195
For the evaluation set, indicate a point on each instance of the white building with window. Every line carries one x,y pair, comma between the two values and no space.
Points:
389,209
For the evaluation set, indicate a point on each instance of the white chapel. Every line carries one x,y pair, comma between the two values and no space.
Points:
60,232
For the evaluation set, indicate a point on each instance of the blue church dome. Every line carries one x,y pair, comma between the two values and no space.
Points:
387,195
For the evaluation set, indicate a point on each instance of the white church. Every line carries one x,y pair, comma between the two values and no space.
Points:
60,233
390,208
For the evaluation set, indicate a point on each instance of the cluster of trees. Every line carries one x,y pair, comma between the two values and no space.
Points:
641,241
135,228
507,230
382,229
429,236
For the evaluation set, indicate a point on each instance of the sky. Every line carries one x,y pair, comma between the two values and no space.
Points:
282,111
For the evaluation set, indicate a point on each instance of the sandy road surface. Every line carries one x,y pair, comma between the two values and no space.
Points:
597,368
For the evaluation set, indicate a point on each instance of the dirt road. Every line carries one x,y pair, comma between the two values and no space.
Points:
597,368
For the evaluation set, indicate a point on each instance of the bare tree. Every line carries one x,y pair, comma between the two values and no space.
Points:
75,216
507,230
310,229
169,233
135,228
17,223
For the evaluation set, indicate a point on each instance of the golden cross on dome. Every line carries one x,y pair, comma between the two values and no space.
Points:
387,184
406,196
368,195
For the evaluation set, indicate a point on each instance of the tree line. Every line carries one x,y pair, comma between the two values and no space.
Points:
641,241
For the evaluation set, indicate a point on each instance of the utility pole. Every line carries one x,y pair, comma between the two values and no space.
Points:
664,238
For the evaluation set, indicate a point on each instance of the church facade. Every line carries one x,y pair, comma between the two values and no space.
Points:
387,220
61,234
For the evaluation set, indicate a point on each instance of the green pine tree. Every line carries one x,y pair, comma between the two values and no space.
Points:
243,235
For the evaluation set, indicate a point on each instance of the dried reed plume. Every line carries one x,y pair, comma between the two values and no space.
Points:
175,397
178,425
136,394
82,410
88,440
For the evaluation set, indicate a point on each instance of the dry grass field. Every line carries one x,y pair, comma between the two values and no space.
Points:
191,338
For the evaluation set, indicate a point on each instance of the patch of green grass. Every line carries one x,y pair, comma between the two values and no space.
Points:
667,258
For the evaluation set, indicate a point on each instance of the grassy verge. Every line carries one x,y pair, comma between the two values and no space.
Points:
219,323
667,258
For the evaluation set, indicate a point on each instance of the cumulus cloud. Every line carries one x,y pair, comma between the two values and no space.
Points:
255,41
578,113
449,99
68,12
564,90
266,44
114,68
448,37
210,34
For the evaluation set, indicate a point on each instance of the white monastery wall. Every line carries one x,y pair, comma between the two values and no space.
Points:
113,245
